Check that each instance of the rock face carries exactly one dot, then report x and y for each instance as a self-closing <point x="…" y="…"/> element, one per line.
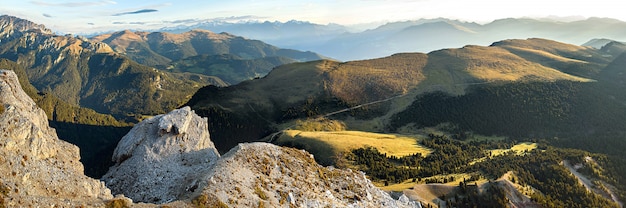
<point x="162" y="158"/>
<point x="262" y="174"/>
<point x="36" y="167"/>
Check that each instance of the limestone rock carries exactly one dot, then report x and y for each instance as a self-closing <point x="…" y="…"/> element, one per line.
<point x="162" y="157"/>
<point x="35" y="166"/>
<point x="262" y="173"/>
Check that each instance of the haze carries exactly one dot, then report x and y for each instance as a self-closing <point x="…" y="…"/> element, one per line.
<point x="107" y="15"/>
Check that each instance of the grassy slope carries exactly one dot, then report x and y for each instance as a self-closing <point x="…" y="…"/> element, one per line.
<point x="326" y="146"/>
<point x="308" y="89"/>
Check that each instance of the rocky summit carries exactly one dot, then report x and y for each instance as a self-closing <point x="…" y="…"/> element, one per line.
<point x="162" y="157"/>
<point x="36" y="168"/>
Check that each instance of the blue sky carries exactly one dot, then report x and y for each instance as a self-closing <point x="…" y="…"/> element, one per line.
<point x="86" y="16"/>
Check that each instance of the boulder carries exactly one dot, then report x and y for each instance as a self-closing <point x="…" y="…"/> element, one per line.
<point x="162" y="157"/>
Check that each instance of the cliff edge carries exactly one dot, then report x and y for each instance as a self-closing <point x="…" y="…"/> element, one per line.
<point x="36" y="167"/>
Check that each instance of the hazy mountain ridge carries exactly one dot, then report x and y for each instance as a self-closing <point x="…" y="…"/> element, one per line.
<point x="291" y="34"/>
<point x="424" y="35"/>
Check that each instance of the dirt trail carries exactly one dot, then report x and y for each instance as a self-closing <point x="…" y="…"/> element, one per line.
<point x="590" y="186"/>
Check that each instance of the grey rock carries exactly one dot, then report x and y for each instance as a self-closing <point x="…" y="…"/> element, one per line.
<point x="255" y="173"/>
<point x="35" y="164"/>
<point x="162" y="157"/>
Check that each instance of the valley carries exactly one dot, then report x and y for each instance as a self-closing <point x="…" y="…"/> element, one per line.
<point x="529" y="122"/>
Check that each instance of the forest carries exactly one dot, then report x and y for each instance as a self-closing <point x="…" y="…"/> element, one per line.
<point x="540" y="168"/>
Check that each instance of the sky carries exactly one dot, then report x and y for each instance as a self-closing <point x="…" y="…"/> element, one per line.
<point x="90" y="16"/>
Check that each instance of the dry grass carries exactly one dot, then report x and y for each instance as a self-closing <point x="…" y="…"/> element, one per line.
<point x="519" y="149"/>
<point x="359" y="82"/>
<point x="344" y="141"/>
<point x="429" y="193"/>
<point x="408" y="184"/>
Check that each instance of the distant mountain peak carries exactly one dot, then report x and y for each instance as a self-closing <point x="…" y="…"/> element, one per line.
<point x="10" y="25"/>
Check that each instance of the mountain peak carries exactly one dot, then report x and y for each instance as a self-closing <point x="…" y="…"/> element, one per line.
<point x="10" y="25"/>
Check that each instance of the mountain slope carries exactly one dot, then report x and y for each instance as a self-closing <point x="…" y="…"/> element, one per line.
<point x="250" y="110"/>
<point x="90" y="74"/>
<point x="168" y="50"/>
<point x="230" y="68"/>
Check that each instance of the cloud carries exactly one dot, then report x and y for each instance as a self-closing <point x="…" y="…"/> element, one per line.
<point x="91" y="23"/>
<point x="136" y="12"/>
<point x="74" y="4"/>
<point x="129" y="23"/>
<point x="47" y="15"/>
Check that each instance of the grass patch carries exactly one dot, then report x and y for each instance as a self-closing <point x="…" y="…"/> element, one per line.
<point x="117" y="203"/>
<point x="398" y="187"/>
<point x="260" y="193"/>
<point x="206" y="201"/>
<point x="519" y="149"/>
<point x="345" y="141"/>
<point x="320" y="125"/>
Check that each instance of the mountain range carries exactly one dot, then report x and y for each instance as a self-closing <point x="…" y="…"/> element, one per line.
<point x="424" y="35"/>
<point x="224" y="56"/>
<point x="461" y="106"/>
<point x="117" y="78"/>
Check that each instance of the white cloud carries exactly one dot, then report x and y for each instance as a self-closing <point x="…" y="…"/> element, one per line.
<point x="75" y="4"/>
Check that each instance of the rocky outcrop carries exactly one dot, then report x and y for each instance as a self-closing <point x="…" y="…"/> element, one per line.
<point x="165" y="159"/>
<point x="162" y="158"/>
<point x="266" y="175"/>
<point x="170" y="158"/>
<point x="37" y="168"/>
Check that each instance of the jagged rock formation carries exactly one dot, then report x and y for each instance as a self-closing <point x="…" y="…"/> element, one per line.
<point x="266" y="175"/>
<point x="162" y="157"/>
<point x="37" y="168"/>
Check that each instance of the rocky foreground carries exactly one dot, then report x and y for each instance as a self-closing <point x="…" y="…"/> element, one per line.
<point x="167" y="160"/>
<point x="36" y="167"/>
